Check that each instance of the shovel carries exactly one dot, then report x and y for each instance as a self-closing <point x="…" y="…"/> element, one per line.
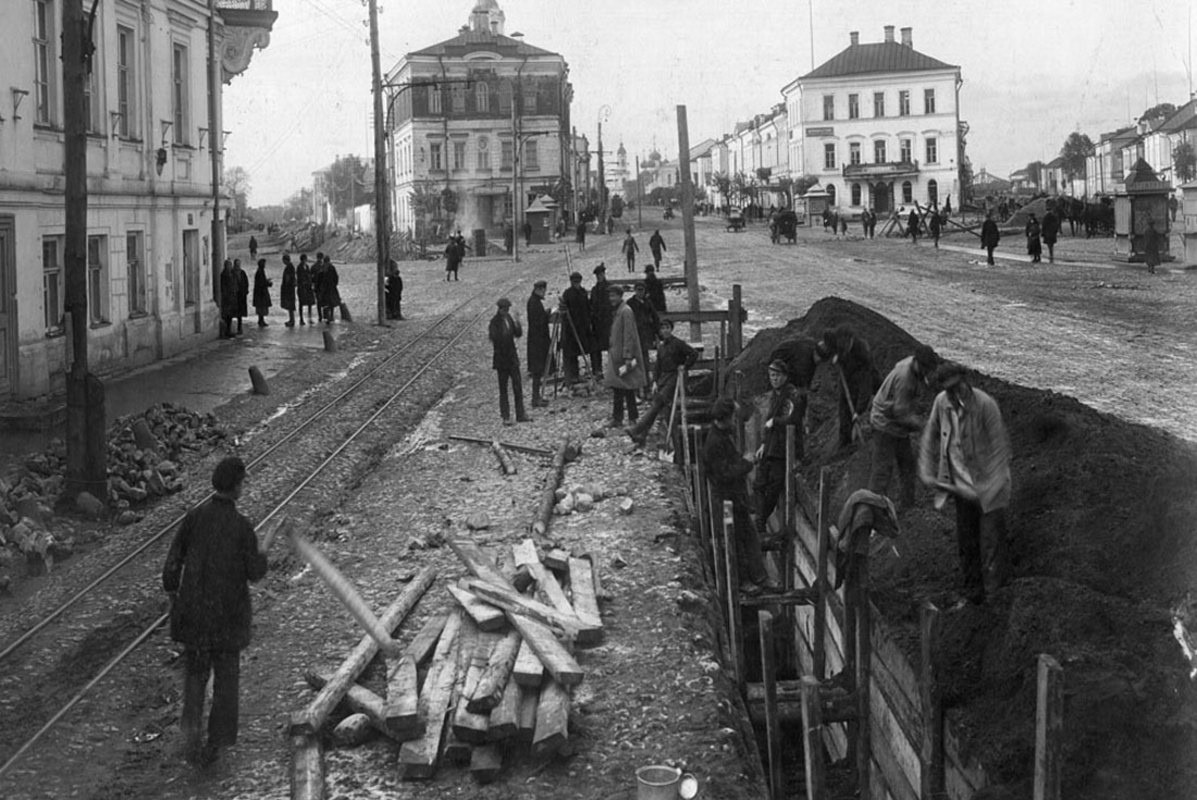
<point x="859" y="434"/>
<point x="667" y="454"/>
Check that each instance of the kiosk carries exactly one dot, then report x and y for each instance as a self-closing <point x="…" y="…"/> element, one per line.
<point x="1140" y="204"/>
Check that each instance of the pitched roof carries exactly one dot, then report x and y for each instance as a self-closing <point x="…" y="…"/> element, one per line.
<point x="469" y="41"/>
<point x="1183" y="118"/>
<point x="701" y="149"/>
<point x="863" y="59"/>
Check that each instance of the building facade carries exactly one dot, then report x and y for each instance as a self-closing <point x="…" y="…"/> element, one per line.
<point x="475" y="121"/>
<point x="150" y="256"/>
<point x="880" y="125"/>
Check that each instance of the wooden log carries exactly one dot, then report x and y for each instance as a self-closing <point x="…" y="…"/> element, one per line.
<point x="355" y="729"/>
<point x="931" y="699"/>
<point x="812" y="739"/>
<point x="486" y="616"/>
<point x="548" y="496"/>
<point x="344" y="590"/>
<point x="312" y="718"/>
<point x="486" y="762"/>
<point x="528" y="671"/>
<point x="552" y="719"/>
<point x="513" y="602"/>
<point x="360" y="700"/>
<point x="772" y="724"/>
<point x="424" y="642"/>
<point x="455" y="751"/>
<point x="505" y="719"/>
<point x="471" y="726"/>
<point x="557" y="559"/>
<point x="552" y="653"/>
<point x="520" y="448"/>
<point x="600" y="592"/>
<point x="529" y="701"/>
<point x="418" y="758"/>
<point x="307" y="765"/>
<point x="1049" y="729"/>
<point x="488" y="691"/>
<point x="258" y="381"/>
<point x="581" y="589"/>
<point x="403" y="696"/>
<point x="477" y="562"/>
<point x="505" y="462"/>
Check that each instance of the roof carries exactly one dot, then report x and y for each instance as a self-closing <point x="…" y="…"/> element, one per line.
<point x="1183" y="118"/>
<point x="701" y="149"/>
<point x="469" y="41"/>
<point x="865" y="59"/>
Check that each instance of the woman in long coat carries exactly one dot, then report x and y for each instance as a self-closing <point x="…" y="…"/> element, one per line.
<point x="262" y="286"/>
<point x="242" y="292"/>
<point x="303" y="287"/>
<point x="624" y="372"/>
<point x="228" y="299"/>
<point x="286" y="296"/>
<point x="330" y="298"/>
<point x="1034" y="245"/>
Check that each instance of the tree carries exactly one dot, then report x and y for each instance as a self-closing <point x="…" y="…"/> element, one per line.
<point x="1160" y="111"/>
<point x="1184" y="162"/>
<point x="723" y="184"/>
<point x="1077" y="147"/>
<point x="1033" y="173"/>
<point x="763" y="174"/>
<point x="236" y="184"/>
<point x="349" y="184"/>
<point x="802" y="184"/>
<point x="449" y="200"/>
<point x="298" y="205"/>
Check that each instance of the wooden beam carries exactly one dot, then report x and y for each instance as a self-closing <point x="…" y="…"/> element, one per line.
<point x="520" y="448"/>
<point x="471" y="726"/>
<point x="931" y="699"/>
<point x="556" y="558"/>
<point x="401" y="709"/>
<point x="486" y="762"/>
<point x="418" y="758"/>
<point x="505" y="462"/>
<point x="552" y="719"/>
<point x="812" y="739"/>
<point x="528" y="671"/>
<point x="777" y="779"/>
<point x="424" y="642"/>
<point x="360" y="700"/>
<point x="548" y="495"/>
<point x="733" y="592"/>
<point x="526" y="556"/>
<point x="477" y="562"/>
<point x="552" y="653"/>
<point x="581" y="589"/>
<point x="312" y="718"/>
<point x="600" y="592"/>
<point x="307" y="765"/>
<point x="1049" y="729"/>
<point x="488" y="691"/>
<point x="699" y="316"/>
<point x="505" y="719"/>
<point x="455" y="752"/>
<point x="515" y="603"/>
<point x="820" y="583"/>
<point x="486" y="616"/>
<point x="529" y="700"/>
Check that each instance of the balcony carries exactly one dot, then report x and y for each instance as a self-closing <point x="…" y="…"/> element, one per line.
<point x="247" y="27"/>
<point x="888" y="169"/>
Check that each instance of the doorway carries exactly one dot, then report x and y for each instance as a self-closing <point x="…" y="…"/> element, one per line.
<point x="191" y="278"/>
<point x="8" y="305"/>
<point x="881" y="198"/>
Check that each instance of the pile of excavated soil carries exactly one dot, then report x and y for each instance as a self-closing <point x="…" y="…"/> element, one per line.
<point x="1101" y="528"/>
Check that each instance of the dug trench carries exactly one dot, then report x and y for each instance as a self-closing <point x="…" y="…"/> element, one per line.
<point x="1102" y="546"/>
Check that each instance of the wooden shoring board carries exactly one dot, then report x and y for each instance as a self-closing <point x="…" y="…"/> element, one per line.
<point x="528" y="670"/>
<point x="488" y="690"/>
<point x="484" y="615"/>
<point x="514" y="603"/>
<point x="529" y="701"/>
<point x="552" y="719"/>
<point x="307" y="765"/>
<point x="471" y="726"/>
<point x="581" y="589"/>
<point x="505" y="719"/>
<point x="418" y="758"/>
<point x="553" y="654"/>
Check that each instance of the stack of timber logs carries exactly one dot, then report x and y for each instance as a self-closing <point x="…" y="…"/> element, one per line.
<point x="486" y="677"/>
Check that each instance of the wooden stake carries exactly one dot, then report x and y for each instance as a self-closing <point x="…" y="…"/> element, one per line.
<point x="307" y="766"/>
<point x="812" y="739"/>
<point x="505" y="461"/>
<point x="819" y="645"/>
<point x="312" y="718"/>
<point x="519" y="448"/>
<point x="931" y="699"/>
<point x="1049" y="729"/>
<point x="772" y="724"/>
<point x="733" y="592"/>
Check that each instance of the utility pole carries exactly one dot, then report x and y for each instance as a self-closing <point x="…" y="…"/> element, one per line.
<point x="602" y="180"/>
<point x="216" y="146"/>
<point x="515" y="171"/>
<point x="639" y="196"/>
<point x="382" y="192"/>
<point x="683" y="157"/>
<point x="87" y="469"/>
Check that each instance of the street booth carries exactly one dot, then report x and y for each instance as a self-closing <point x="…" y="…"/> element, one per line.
<point x="541" y="214"/>
<point x="1141" y="202"/>
<point x="1189" y="212"/>
<point x="816" y="200"/>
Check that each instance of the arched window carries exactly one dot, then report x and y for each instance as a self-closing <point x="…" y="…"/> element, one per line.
<point x="856" y="194"/>
<point x="482" y="97"/>
<point x="907" y="192"/>
<point x="932" y="192"/>
<point x="830" y="195"/>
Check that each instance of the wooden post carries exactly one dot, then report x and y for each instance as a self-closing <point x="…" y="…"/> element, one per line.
<point x="1049" y="729"/>
<point x="789" y="531"/>
<point x="930" y="696"/>
<point x="864" y="665"/>
<point x="307" y="767"/>
<point x="733" y="591"/>
<point x="812" y="738"/>
<point x="714" y="543"/>
<point x="685" y="431"/>
<point x="691" y="263"/>
<point x="697" y="484"/>
<point x="820" y="634"/>
<point x="548" y="496"/>
<point x="735" y="324"/>
<point x="382" y="195"/>
<point x="777" y="779"/>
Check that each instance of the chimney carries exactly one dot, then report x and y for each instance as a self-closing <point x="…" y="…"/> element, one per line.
<point x="907" y="38"/>
<point x="889" y="33"/>
<point x="854" y="37"/>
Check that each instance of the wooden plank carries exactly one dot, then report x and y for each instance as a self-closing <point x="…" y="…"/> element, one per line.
<point x="899" y="754"/>
<point x="581" y="589"/>
<point x="732" y="586"/>
<point x="557" y="559"/>
<point x="552" y="719"/>
<point x="548" y="584"/>
<point x="695" y="316"/>
<point x="552" y="653"/>
<point x="307" y="764"/>
<point x="418" y="758"/>
<point x="529" y="701"/>
<point x="931" y="701"/>
<point x="777" y="779"/>
<point x="477" y="562"/>
<point x="486" y="762"/>
<point x="471" y="726"/>
<point x="360" y="700"/>
<point x="962" y="779"/>
<point x="424" y="642"/>
<point x="312" y="718"/>
<point x="488" y="690"/>
<point x="812" y="726"/>
<point x="516" y="604"/>
<point x="820" y="578"/>
<point x="505" y="719"/>
<point x="486" y="616"/>
<point x="401" y="711"/>
<point x="455" y="752"/>
<point x="1049" y="729"/>
<point x="528" y="671"/>
<point x="600" y="591"/>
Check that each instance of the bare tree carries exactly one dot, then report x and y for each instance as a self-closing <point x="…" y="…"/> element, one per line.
<point x="237" y="185"/>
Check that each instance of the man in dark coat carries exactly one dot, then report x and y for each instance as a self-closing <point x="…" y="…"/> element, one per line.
<point x="576" y="329"/>
<point x="912" y="226"/>
<point x="317" y="280"/>
<point x="394" y="291"/>
<point x="580" y="234"/>
<point x="671" y="354"/>
<point x="654" y="289"/>
<point x="647" y="320"/>
<point x="934" y="226"/>
<point x="213" y="557"/>
<point x="262" y="286"/>
<point x="989" y="236"/>
<point x="656" y="243"/>
<point x="330" y="295"/>
<point x="228" y="299"/>
<point x="601" y="313"/>
<point x="895" y="419"/>
<point x="629" y="248"/>
<point x="726" y="471"/>
<point x="1050" y="230"/>
<point x="1034" y="244"/>
<point x="452" y="259"/>
<point x="286" y="295"/>
<point x="801" y="357"/>
<point x="242" y="293"/>
<point x="782" y="406"/>
<point x="539" y="340"/>
<point x="858" y="377"/>
<point x="527" y="233"/>
<point x="503" y="331"/>
<point x="253" y="247"/>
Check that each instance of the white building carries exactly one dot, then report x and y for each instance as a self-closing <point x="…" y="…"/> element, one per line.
<point x="150" y="250"/>
<point x="880" y="125"/>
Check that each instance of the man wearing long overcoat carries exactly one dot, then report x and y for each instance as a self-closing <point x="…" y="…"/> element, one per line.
<point x="989" y="237"/>
<point x="625" y="372"/>
<point x="503" y="331"/>
<point x="242" y="293"/>
<point x="539" y="340"/>
<point x="600" y="318"/>
<point x="228" y="299"/>
<point x="576" y="330"/>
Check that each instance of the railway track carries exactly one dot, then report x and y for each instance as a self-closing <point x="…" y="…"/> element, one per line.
<point x="50" y="668"/>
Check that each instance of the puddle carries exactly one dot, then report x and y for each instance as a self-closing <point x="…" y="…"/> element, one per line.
<point x="428" y="431"/>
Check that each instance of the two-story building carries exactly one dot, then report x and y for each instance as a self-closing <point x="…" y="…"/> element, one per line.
<point x="483" y="117"/>
<point x="152" y="247"/>
<point x="879" y="124"/>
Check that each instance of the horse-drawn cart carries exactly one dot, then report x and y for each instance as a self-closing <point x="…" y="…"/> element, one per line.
<point x="735" y="220"/>
<point x="785" y="223"/>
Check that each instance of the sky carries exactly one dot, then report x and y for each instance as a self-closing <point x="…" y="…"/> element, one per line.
<point x="1033" y="70"/>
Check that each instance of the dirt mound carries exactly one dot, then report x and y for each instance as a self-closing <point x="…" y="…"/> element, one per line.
<point x="1038" y="207"/>
<point x="1102" y="541"/>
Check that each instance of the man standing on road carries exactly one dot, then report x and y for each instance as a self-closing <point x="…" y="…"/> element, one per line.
<point x="672" y="353"/>
<point x="580" y="235"/>
<point x="629" y="249"/>
<point x="503" y="331"/>
<point x="656" y="243"/>
<point x="912" y="226"/>
<point x="894" y="420"/>
<point x="228" y="299"/>
<point x="647" y="321"/>
<point x="1034" y="246"/>
<point x="575" y="326"/>
<point x="625" y="372"/>
<point x="654" y="289"/>
<point x="857" y="376"/>
<point x="989" y="237"/>
<point x="726" y="470"/>
<point x="783" y="407"/>
<point x="601" y="312"/>
<point x="211" y="561"/>
<point x="539" y="340"/>
<point x="242" y="293"/>
<point x="1051" y="232"/>
<point x="934" y="227"/>
<point x="393" y="286"/>
<point x="965" y="453"/>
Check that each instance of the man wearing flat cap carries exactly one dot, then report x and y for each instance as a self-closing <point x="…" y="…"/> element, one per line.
<point x="895" y="419"/>
<point x="539" y="340"/>
<point x="504" y="330"/>
<point x="601" y="313"/>
<point x="576" y="330"/>
<point x="625" y="369"/>
<point x="782" y="407"/>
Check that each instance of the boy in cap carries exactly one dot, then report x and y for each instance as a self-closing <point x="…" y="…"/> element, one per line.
<point x="504" y="330"/>
<point x="726" y="470"/>
<point x="894" y="420"/>
<point x="671" y="354"/>
<point x="858" y="377"/>
<point x="783" y="407"/>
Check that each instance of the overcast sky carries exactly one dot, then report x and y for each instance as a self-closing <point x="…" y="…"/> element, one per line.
<point x="1034" y="70"/>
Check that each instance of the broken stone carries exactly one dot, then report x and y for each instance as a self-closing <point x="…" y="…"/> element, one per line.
<point x="128" y="517"/>
<point x="583" y="502"/>
<point x="478" y="521"/>
<point x="618" y="562"/>
<point x="89" y="505"/>
<point x="142" y="435"/>
<point x="626" y="505"/>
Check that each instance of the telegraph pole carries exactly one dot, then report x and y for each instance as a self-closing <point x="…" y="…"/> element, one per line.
<point x="515" y="180"/>
<point x="216" y="146"/>
<point x="602" y="180"/>
<point x="683" y="157"/>
<point x="382" y="214"/>
<point x="639" y="196"/>
<point x="87" y="469"/>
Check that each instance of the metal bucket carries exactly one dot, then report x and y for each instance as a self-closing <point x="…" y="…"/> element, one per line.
<point x="659" y="782"/>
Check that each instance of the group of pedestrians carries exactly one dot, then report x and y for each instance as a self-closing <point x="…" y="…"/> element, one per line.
<point x="304" y="287"/>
